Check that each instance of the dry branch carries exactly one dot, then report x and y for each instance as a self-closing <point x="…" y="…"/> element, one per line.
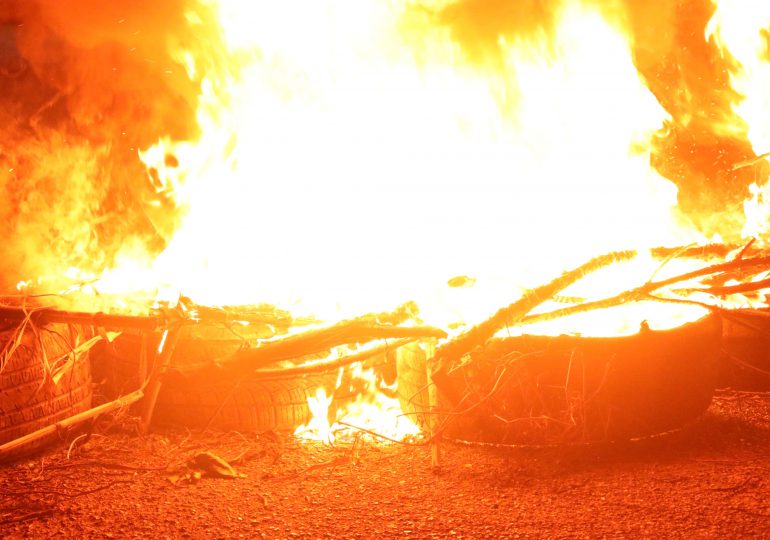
<point x="749" y="286"/>
<point x="644" y="292"/>
<point x="750" y="162"/>
<point x="696" y="251"/>
<point x="46" y="315"/>
<point x="323" y="339"/>
<point x="513" y="313"/>
<point x="449" y="354"/>
<point x="325" y="366"/>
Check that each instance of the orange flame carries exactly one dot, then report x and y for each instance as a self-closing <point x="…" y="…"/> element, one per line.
<point x="369" y="411"/>
<point x="363" y="153"/>
<point x="359" y="162"/>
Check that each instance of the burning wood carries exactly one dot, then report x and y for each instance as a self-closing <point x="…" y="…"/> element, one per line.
<point x="252" y="359"/>
<point x="451" y="352"/>
<point x="472" y="371"/>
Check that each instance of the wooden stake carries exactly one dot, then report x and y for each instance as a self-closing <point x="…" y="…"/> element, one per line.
<point x="433" y="406"/>
<point x="162" y="361"/>
<point x="143" y="367"/>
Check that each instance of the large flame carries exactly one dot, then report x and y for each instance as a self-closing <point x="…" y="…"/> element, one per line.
<point x="351" y="155"/>
<point x="741" y="30"/>
<point x="360" y="159"/>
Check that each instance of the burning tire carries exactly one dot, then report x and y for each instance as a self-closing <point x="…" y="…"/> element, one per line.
<point x="219" y="399"/>
<point x="247" y="403"/>
<point x="40" y="383"/>
<point x="555" y="390"/>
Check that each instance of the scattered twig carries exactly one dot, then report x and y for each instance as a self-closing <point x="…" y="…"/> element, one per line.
<point x="105" y="465"/>
<point x="426" y="442"/>
<point x="74" y="441"/>
<point x="28" y="516"/>
<point x="335" y="462"/>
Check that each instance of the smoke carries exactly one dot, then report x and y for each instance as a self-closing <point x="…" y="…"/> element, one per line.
<point x="86" y="85"/>
<point x="697" y="148"/>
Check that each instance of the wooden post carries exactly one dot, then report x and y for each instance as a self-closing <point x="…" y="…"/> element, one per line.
<point x="162" y="361"/>
<point x="434" y="421"/>
<point x="143" y="367"/>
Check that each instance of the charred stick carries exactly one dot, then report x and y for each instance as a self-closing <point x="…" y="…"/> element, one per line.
<point x="263" y="315"/>
<point x="750" y="162"/>
<point x="324" y="366"/>
<point x="695" y="252"/>
<point x="745" y="249"/>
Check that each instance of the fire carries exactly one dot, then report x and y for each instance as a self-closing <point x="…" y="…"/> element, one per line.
<point x="741" y="32"/>
<point x="369" y="411"/>
<point x="349" y="155"/>
<point x="359" y="161"/>
<point x="318" y="428"/>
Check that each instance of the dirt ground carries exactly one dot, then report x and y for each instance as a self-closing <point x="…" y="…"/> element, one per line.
<point x="708" y="480"/>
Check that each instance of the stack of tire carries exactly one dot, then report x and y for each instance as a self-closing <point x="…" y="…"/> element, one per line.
<point x="30" y="398"/>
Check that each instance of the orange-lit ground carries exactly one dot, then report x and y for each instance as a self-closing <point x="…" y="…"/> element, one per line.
<point x="708" y="481"/>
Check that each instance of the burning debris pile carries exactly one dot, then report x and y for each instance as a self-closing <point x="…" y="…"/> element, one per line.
<point x="217" y="367"/>
<point x="261" y="369"/>
<point x="355" y="158"/>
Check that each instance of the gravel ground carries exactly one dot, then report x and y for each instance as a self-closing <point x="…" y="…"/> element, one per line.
<point x="709" y="480"/>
